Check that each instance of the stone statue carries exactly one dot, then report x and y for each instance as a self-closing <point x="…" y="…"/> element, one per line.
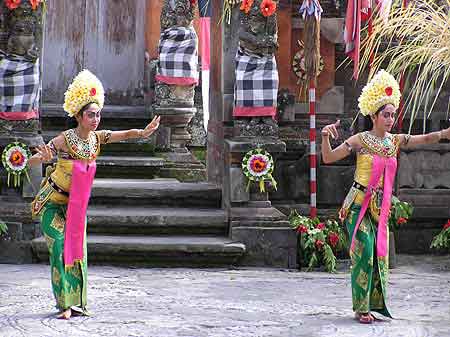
<point x="258" y="37"/>
<point x="21" y="31"/>
<point x="258" y="34"/>
<point x="177" y="15"/>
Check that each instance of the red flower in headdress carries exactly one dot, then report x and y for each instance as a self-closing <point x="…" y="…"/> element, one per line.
<point x="12" y="4"/>
<point x="388" y="91"/>
<point x="92" y="92"/>
<point x="268" y="7"/>
<point x="246" y="5"/>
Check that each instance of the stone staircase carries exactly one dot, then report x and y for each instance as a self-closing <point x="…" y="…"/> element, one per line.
<point x="137" y="217"/>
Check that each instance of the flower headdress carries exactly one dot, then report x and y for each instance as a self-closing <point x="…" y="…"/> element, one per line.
<point x="86" y="88"/>
<point x="382" y="89"/>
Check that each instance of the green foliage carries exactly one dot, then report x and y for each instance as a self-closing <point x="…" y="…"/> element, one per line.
<point x="3" y="228"/>
<point x="319" y="241"/>
<point x="442" y="240"/>
<point x="400" y="213"/>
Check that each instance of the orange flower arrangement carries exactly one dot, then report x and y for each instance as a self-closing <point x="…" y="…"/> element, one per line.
<point x="35" y="3"/>
<point x="246" y="5"/>
<point x="268" y="7"/>
<point x="13" y="4"/>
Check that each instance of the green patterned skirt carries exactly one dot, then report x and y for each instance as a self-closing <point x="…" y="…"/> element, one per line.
<point x="369" y="273"/>
<point x="69" y="283"/>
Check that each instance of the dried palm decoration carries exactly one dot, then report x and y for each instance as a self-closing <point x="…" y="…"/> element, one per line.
<point x="227" y="9"/>
<point x="414" y="41"/>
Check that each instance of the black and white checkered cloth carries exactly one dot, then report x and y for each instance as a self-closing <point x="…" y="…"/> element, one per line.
<point x="178" y="53"/>
<point x="19" y="85"/>
<point x="256" y="81"/>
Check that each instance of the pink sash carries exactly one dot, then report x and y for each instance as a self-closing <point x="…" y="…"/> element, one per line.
<point x="380" y="165"/>
<point x="80" y="191"/>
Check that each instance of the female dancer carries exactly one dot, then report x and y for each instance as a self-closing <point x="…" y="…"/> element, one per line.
<point x="365" y="210"/>
<point x="62" y="200"/>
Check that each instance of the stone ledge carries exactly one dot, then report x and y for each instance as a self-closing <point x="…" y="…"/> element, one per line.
<point x="268" y="246"/>
<point x="166" y="251"/>
<point x="242" y="145"/>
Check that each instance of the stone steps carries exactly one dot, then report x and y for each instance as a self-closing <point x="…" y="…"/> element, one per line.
<point x="135" y="147"/>
<point x="165" y="192"/>
<point x="156" y="251"/>
<point x="127" y="166"/>
<point x="156" y="221"/>
<point x="153" y="219"/>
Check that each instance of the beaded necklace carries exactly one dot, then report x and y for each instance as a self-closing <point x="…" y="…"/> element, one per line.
<point x="81" y="148"/>
<point x="385" y="147"/>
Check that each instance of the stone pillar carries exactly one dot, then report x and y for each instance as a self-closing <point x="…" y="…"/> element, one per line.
<point x="263" y="229"/>
<point x="20" y="49"/>
<point x="174" y="88"/>
<point x="253" y="220"/>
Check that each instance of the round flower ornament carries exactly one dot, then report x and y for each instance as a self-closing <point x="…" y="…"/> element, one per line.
<point x="257" y="166"/>
<point x="15" y="157"/>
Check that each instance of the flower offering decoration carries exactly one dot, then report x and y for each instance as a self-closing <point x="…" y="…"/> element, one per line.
<point x="15" y="157"/>
<point x="257" y="166"/>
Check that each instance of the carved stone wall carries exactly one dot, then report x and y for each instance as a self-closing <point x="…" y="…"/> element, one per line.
<point x="424" y="181"/>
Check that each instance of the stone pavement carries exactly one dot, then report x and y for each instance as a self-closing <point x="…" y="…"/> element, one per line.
<point x="226" y="302"/>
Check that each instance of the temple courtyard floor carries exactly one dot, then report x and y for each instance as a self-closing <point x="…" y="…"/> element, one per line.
<point x="237" y="302"/>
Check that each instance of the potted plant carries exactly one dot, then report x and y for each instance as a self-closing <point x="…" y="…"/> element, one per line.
<point x="400" y="213"/>
<point x="442" y="240"/>
<point x="319" y="242"/>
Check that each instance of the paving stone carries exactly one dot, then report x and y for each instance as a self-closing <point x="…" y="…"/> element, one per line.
<point x="226" y="302"/>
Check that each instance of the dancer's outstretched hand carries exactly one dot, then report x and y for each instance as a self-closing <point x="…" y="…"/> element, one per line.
<point x="446" y="133"/>
<point x="331" y="130"/>
<point x="44" y="153"/>
<point x="152" y="127"/>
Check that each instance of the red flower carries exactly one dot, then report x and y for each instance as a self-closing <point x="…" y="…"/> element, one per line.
<point x="13" y="4"/>
<point x="268" y="7"/>
<point x="333" y="238"/>
<point x="447" y="225"/>
<point x="319" y="244"/>
<point x="401" y="221"/>
<point x="320" y="226"/>
<point x="246" y="5"/>
<point x="258" y="164"/>
<point x="35" y="3"/>
<point x="16" y="158"/>
<point x="92" y="92"/>
<point x="388" y="91"/>
<point x="302" y="229"/>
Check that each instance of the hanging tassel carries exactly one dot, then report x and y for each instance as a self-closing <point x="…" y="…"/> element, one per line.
<point x="248" y="185"/>
<point x="312" y="46"/>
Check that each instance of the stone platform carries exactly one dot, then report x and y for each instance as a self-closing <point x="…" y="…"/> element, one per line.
<point x="226" y="302"/>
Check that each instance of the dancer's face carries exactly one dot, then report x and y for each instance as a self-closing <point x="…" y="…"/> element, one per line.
<point x="91" y="117"/>
<point x="385" y="118"/>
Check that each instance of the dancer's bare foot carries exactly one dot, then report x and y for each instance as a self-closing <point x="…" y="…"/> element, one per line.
<point x="66" y="314"/>
<point x="364" y="318"/>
